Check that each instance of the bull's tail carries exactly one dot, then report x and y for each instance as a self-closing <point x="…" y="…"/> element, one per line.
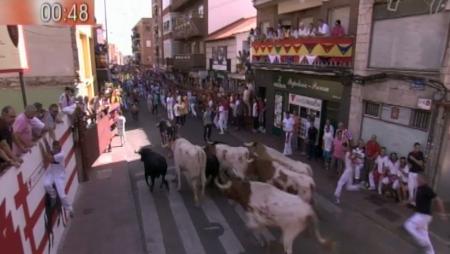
<point x="202" y="160"/>
<point x="314" y="222"/>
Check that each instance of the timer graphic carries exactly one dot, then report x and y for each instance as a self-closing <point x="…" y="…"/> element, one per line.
<point x="55" y="13"/>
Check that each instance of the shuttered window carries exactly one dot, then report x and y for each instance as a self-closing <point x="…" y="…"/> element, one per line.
<point x="372" y="109"/>
<point x="420" y="119"/>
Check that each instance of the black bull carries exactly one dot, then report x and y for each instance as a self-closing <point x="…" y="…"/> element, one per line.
<point x="155" y="165"/>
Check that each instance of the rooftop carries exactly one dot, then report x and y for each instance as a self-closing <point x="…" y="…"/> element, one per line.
<point x="229" y="31"/>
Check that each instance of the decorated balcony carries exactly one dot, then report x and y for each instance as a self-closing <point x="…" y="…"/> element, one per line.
<point x="319" y="52"/>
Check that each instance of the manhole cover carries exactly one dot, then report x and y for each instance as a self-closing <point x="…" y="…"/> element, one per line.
<point x="387" y="214"/>
<point x="87" y="211"/>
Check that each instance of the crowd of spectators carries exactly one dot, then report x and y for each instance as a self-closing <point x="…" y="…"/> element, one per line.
<point x="320" y="29"/>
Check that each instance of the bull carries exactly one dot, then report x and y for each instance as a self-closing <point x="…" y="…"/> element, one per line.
<point x="167" y="132"/>
<point x="267" y="206"/>
<point x="230" y="158"/>
<point x="190" y="159"/>
<point x="276" y="174"/>
<point x="271" y="153"/>
<point x="155" y="165"/>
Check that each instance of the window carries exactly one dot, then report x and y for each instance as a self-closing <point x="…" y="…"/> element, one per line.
<point x="372" y="109"/>
<point x="420" y="119"/>
<point x="166" y="26"/>
<point x="343" y="14"/>
<point x="200" y="11"/>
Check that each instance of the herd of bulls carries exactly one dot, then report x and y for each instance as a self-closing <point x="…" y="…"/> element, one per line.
<point x="274" y="190"/>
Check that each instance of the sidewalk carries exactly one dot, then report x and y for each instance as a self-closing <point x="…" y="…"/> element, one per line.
<point x="385" y="212"/>
<point x="104" y="222"/>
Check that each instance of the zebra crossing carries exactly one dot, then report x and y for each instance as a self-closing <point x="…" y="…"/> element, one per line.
<point x="171" y="223"/>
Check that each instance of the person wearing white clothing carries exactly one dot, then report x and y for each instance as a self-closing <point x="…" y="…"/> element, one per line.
<point x="347" y="176"/>
<point x="417" y="224"/>
<point x="170" y="103"/>
<point x="288" y="127"/>
<point x="55" y="175"/>
<point x="323" y="28"/>
<point x="121" y="120"/>
<point x="379" y="170"/>
<point x="403" y="171"/>
<point x="255" y="117"/>
<point x="221" y="119"/>
<point x="360" y="154"/>
<point x="390" y="177"/>
<point x="327" y="145"/>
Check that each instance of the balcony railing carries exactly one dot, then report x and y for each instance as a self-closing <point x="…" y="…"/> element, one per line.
<point x="309" y="51"/>
<point x="186" y="28"/>
<point x="187" y="62"/>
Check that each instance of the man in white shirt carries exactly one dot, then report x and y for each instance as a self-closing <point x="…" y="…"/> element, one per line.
<point x="381" y="164"/>
<point x="255" y="116"/>
<point x="360" y="154"/>
<point x="303" y="31"/>
<point x="55" y="175"/>
<point x="288" y="127"/>
<point x="323" y="28"/>
<point x="391" y="175"/>
<point x="221" y="119"/>
<point x="347" y="176"/>
<point x="121" y="120"/>
<point x="328" y="137"/>
<point x="170" y="104"/>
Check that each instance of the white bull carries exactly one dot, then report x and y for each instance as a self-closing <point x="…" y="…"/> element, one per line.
<point x="276" y="174"/>
<point x="269" y="152"/>
<point x="190" y="159"/>
<point x="265" y="205"/>
<point x="230" y="158"/>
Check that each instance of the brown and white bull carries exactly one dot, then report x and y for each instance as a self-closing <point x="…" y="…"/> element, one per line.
<point x="267" y="206"/>
<point x="191" y="159"/>
<point x="230" y="158"/>
<point x="268" y="152"/>
<point x="276" y="174"/>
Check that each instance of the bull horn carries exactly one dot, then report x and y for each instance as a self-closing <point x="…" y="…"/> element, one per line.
<point x="222" y="186"/>
<point x="248" y="144"/>
<point x="210" y="143"/>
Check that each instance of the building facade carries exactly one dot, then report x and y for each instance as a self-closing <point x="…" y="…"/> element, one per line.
<point x="142" y="42"/>
<point x="57" y="57"/>
<point x="402" y="80"/>
<point x="309" y="77"/>
<point x="158" y="51"/>
<point x="227" y="53"/>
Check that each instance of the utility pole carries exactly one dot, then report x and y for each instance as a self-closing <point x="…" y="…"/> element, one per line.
<point x="107" y="42"/>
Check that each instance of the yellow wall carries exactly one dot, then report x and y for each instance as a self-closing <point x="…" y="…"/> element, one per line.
<point x="86" y="57"/>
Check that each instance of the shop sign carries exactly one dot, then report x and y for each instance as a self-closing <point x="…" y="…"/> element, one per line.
<point x="317" y="88"/>
<point x="424" y="104"/>
<point x="306" y="102"/>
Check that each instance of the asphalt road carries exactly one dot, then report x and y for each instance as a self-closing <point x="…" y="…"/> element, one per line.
<point x="170" y="223"/>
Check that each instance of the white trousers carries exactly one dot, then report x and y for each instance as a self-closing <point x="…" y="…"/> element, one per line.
<point x="358" y="171"/>
<point x="193" y="109"/>
<point x="226" y="120"/>
<point x="170" y="114"/>
<point x="347" y="180"/>
<point x="412" y="187"/>
<point x="221" y="123"/>
<point x="288" y="144"/>
<point x="417" y="226"/>
<point x="59" y="181"/>
<point x="372" y="182"/>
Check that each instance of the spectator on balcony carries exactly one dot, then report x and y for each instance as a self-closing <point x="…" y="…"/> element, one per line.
<point x="7" y="138"/>
<point x="303" y="31"/>
<point x="22" y="128"/>
<point x="337" y="30"/>
<point x="311" y="30"/>
<point x="323" y="28"/>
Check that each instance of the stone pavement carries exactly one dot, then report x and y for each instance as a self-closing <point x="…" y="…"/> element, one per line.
<point x="385" y="212"/>
<point x="116" y="213"/>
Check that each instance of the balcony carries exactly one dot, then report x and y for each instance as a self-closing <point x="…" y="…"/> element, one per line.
<point x="177" y="4"/>
<point x="186" y="28"/>
<point x="310" y="52"/>
<point x="258" y="3"/>
<point x="187" y="62"/>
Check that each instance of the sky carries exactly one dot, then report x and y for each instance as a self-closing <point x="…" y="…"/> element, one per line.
<point x="122" y="16"/>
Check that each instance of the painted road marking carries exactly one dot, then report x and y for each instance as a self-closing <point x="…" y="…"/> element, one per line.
<point x="150" y="220"/>
<point x="228" y="239"/>
<point x="190" y="239"/>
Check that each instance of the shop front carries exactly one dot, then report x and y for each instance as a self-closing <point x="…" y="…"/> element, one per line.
<point x="310" y="97"/>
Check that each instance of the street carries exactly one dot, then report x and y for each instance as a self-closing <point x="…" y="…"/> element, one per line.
<point x="169" y="222"/>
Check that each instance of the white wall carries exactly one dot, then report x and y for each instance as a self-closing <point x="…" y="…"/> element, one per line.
<point x="224" y="12"/>
<point x="49" y="51"/>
